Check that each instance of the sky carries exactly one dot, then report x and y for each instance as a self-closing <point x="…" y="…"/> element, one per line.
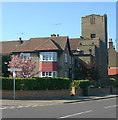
<point x="39" y="19"/>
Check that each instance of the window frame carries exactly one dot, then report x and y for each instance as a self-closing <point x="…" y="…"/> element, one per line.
<point x="47" y="73"/>
<point x="48" y="56"/>
<point x="66" y="59"/>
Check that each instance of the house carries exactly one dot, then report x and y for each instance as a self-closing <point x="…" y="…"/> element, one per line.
<point x="58" y="56"/>
<point x="113" y="57"/>
<point x="52" y="54"/>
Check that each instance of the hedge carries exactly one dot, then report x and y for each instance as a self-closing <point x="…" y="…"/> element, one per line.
<point x="80" y="83"/>
<point x="35" y="83"/>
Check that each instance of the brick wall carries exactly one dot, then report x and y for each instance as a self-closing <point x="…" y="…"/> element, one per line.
<point x="37" y="94"/>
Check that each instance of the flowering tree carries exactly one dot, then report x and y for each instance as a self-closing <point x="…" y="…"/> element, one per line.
<point x="25" y="64"/>
<point x="92" y="72"/>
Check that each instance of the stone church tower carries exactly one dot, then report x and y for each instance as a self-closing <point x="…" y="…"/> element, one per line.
<point x="94" y="32"/>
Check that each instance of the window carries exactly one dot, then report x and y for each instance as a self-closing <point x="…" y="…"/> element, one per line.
<point x="65" y="58"/>
<point x="48" y="74"/>
<point x="93" y="35"/>
<point x="92" y="20"/>
<point x="48" y="56"/>
<point x="65" y="74"/>
<point x="72" y="76"/>
<point x="25" y="55"/>
<point x="70" y="59"/>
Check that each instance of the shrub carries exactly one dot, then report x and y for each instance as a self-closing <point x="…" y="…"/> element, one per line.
<point x="80" y="83"/>
<point x="36" y="83"/>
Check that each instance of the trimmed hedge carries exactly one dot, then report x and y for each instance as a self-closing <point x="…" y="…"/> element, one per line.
<point x="35" y="83"/>
<point x="80" y="83"/>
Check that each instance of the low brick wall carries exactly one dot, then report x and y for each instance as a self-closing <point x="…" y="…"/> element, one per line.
<point x="101" y="91"/>
<point x="79" y="92"/>
<point x="39" y="94"/>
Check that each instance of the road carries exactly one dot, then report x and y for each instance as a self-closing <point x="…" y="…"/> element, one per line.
<point x="103" y="108"/>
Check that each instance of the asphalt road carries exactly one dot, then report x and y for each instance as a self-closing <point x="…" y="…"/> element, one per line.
<point x="104" y="108"/>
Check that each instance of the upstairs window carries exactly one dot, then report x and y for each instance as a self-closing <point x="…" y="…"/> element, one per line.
<point x="48" y="56"/>
<point x="93" y="35"/>
<point x="65" y="58"/>
<point x="26" y="55"/>
<point x="70" y="59"/>
<point x="92" y="20"/>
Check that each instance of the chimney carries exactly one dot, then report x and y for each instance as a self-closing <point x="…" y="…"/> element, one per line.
<point x="110" y="43"/>
<point x="53" y="35"/>
<point x="20" y="40"/>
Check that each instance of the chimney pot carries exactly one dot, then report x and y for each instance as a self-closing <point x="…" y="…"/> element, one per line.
<point x="20" y="39"/>
<point x="53" y="35"/>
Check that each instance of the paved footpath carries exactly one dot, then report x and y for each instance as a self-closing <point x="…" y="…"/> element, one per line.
<point x="72" y="107"/>
<point x="10" y="104"/>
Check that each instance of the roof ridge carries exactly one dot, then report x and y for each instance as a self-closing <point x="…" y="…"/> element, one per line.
<point x="44" y="43"/>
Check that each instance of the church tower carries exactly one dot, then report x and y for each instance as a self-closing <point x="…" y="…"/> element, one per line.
<point x="94" y="27"/>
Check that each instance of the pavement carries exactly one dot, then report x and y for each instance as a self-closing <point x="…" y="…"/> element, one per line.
<point x="70" y="99"/>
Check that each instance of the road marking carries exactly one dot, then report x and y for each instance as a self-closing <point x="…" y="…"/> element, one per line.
<point x="3" y="108"/>
<point x="75" y="114"/>
<point x="34" y="105"/>
<point x="27" y="106"/>
<point x="12" y="107"/>
<point x="19" y="106"/>
<point x="111" y="106"/>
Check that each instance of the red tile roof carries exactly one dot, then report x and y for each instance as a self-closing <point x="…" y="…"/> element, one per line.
<point x="46" y="43"/>
<point x="74" y="43"/>
<point x="112" y="71"/>
<point x="9" y="46"/>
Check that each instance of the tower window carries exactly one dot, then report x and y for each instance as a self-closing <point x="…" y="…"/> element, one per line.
<point x="93" y="35"/>
<point x="92" y="20"/>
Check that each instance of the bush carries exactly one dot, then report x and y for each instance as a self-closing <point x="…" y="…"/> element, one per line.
<point x="5" y="58"/>
<point x="80" y="83"/>
<point x="36" y="83"/>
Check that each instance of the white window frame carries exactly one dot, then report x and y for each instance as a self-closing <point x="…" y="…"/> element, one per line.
<point x="25" y="55"/>
<point x="46" y="73"/>
<point x="48" y="56"/>
<point x="65" y="57"/>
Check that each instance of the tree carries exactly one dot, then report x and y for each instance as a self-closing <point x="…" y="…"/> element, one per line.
<point x="5" y="59"/>
<point x="25" y="64"/>
<point x="92" y="72"/>
<point x="88" y="71"/>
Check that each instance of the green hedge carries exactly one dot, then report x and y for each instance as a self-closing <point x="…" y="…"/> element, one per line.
<point x="80" y="83"/>
<point x="36" y="83"/>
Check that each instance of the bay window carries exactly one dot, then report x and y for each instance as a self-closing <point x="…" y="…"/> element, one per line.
<point x="48" y="56"/>
<point x="48" y="74"/>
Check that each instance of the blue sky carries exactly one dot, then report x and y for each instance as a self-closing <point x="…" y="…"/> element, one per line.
<point x="38" y="19"/>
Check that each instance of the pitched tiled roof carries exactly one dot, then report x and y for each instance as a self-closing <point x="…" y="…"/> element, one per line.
<point x="74" y="43"/>
<point x="112" y="71"/>
<point x="44" y="43"/>
<point x="9" y="46"/>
